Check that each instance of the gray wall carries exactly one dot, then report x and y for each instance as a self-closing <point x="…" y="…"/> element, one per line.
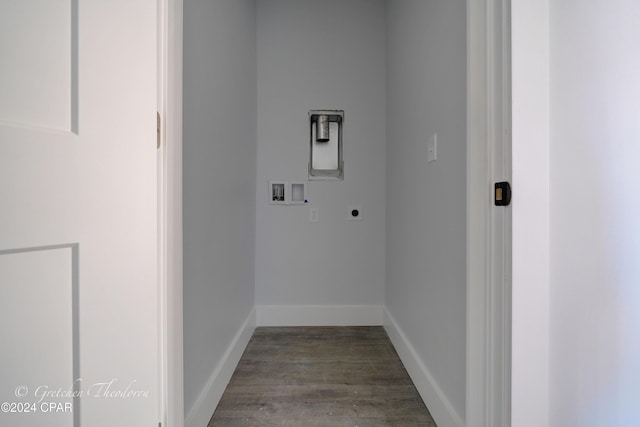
<point x="319" y="55"/>
<point x="219" y="181"/>
<point x="398" y="86"/>
<point x="595" y="212"/>
<point x="426" y="202"/>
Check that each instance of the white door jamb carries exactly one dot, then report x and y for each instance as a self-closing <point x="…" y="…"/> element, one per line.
<point x="170" y="211"/>
<point x="488" y="302"/>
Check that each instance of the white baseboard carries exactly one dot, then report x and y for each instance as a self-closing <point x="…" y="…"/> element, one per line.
<point x="210" y="395"/>
<point x="319" y="315"/>
<point x="439" y="406"/>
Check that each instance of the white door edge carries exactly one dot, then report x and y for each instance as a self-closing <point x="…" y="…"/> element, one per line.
<point x="170" y="211"/>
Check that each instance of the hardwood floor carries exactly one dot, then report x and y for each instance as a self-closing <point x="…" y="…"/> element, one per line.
<point x="320" y="376"/>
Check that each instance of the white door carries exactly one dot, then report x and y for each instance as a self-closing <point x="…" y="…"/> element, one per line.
<point x="78" y="228"/>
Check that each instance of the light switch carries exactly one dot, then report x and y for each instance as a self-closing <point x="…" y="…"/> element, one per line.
<point x="432" y="148"/>
<point x="313" y="214"/>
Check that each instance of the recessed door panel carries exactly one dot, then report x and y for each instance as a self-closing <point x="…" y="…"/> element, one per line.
<point x="39" y="63"/>
<point x="37" y="314"/>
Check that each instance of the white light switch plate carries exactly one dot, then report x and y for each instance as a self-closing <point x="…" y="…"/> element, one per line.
<point x="432" y="148"/>
<point x="313" y="214"/>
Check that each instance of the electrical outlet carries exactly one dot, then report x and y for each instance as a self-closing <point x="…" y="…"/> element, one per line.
<point x="354" y="213"/>
<point x="432" y="148"/>
<point x="313" y="214"/>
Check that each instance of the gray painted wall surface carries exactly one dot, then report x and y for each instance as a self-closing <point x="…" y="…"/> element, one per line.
<point x="321" y="55"/>
<point x="595" y="211"/>
<point x="219" y="181"/>
<point x="426" y="202"/>
<point x="398" y="86"/>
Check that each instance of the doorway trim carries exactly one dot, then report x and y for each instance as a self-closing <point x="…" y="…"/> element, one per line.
<point x="170" y="26"/>
<point x="488" y="291"/>
<point x="480" y="401"/>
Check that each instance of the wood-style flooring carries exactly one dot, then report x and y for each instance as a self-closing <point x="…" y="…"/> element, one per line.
<point x="320" y="376"/>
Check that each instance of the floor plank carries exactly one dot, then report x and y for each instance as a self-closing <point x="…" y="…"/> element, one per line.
<point x="320" y="376"/>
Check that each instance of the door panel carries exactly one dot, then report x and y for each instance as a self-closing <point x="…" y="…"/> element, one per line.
<point x="78" y="227"/>
<point x="37" y="69"/>
<point x="38" y="341"/>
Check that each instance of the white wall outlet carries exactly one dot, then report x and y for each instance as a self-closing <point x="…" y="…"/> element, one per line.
<point x="354" y="213"/>
<point x="313" y="214"/>
<point x="432" y="148"/>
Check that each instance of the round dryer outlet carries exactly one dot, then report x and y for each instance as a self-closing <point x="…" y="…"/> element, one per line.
<point x="354" y="213"/>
